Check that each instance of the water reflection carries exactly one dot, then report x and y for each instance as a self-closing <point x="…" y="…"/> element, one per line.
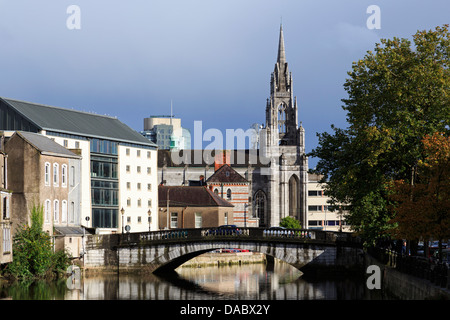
<point x="246" y="282"/>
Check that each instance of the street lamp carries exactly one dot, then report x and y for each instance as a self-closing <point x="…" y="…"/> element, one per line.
<point x="149" y="212"/>
<point x="122" y="211"/>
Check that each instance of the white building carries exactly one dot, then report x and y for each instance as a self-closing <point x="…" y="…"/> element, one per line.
<point x="115" y="160"/>
<point x="320" y="214"/>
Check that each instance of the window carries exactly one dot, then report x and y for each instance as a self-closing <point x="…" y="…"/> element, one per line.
<point x="5" y="208"/>
<point x="139" y="220"/>
<point x="66" y="143"/>
<point x="72" y="176"/>
<point x="149" y="170"/>
<point x="138" y="153"/>
<point x="314" y="208"/>
<point x="47" y="211"/>
<point x="138" y="169"/>
<point x="64" y="211"/>
<point x="128" y="185"/>
<point x="77" y="144"/>
<point x="139" y="202"/>
<point x="139" y="186"/>
<point x="72" y="212"/>
<point x="6" y="240"/>
<point x="148" y="154"/>
<point x="47" y="174"/>
<point x="149" y="203"/>
<point x="128" y="151"/>
<point x="128" y="169"/>
<point x="216" y="191"/>
<point x="198" y="220"/>
<point x="64" y="175"/>
<point x="229" y="194"/>
<point x="55" y="174"/>
<point x="128" y="202"/>
<point x="315" y="193"/>
<point x="56" y="211"/>
<point x="174" y="220"/>
<point x="225" y="218"/>
<point x="149" y="187"/>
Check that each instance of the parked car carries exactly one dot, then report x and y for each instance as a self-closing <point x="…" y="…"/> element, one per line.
<point x="228" y="229"/>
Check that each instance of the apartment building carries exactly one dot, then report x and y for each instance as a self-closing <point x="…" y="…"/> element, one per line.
<point x="111" y="155"/>
<point x="320" y="214"/>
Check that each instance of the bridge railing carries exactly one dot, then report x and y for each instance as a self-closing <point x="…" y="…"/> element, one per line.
<point x="249" y="233"/>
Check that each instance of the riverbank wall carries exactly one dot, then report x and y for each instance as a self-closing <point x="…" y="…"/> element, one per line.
<point x="404" y="286"/>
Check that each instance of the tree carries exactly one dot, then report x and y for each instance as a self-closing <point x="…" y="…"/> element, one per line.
<point x="290" y="223"/>
<point x="422" y="208"/>
<point x="33" y="255"/>
<point x="396" y="95"/>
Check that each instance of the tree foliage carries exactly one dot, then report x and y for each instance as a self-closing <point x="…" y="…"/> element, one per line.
<point x="397" y="95"/>
<point x="290" y="223"/>
<point x="33" y="255"/>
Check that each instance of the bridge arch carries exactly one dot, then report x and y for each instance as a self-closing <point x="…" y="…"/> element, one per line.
<point x="164" y="251"/>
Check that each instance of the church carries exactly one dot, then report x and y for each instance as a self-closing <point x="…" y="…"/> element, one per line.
<point x="273" y="178"/>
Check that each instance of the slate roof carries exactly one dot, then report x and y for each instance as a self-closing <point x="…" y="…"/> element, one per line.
<point x="46" y="145"/>
<point x="226" y="174"/>
<point x="76" y="122"/>
<point x="239" y="158"/>
<point x="190" y="196"/>
<point x="71" y="231"/>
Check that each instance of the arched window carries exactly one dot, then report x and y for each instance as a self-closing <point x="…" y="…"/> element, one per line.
<point x="47" y="210"/>
<point x="260" y="207"/>
<point x="229" y="194"/>
<point x="64" y="211"/>
<point x="56" y="211"/>
<point x="216" y="191"/>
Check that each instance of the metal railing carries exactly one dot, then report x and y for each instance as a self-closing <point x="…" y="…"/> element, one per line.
<point x="286" y="235"/>
<point x="436" y="272"/>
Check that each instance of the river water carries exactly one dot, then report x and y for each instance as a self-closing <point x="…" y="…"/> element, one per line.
<point x="245" y="282"/>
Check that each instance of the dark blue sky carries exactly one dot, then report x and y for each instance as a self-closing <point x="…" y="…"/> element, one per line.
<point x="212" y="59"/>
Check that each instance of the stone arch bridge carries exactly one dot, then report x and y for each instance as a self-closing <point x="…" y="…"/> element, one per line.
<point x="163" y="251"/>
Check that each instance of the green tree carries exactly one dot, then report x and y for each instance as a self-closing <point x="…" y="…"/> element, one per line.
<point x="290" y="223"/>
<point x="33" y="255"/>
<point x="396" y="95"/>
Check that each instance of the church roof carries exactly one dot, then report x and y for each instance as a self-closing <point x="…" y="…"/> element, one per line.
<point x="196" y="158"/>
<point x="226" y="174"/>
<point x="180" y="196"/>
<point x="76" y="122"/>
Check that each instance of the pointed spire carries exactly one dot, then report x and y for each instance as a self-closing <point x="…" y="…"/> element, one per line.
<point x="281" y="59"/>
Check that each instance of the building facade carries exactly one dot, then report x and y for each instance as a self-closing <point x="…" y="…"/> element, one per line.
<point x="5" y="211"/>
<point x="166" y="132"/>
<point x="102" y="142"/>
<point x="276" y="172"/>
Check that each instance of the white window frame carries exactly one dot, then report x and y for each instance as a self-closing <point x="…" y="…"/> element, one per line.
<point x="56" y="211"/>
<point x="64" y="176"/>
<point x="56" y="174"/>
<point x="47" y="173"/>
<point x="47" y="211"/>
<point x="64" y="211"/>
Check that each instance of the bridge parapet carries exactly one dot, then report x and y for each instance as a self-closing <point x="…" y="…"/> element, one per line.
<point x="254" y="234"/>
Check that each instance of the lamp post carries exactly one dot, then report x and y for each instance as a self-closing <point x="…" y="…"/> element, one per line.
<point x="122" y="211"/>
<point x="149" y="212"/>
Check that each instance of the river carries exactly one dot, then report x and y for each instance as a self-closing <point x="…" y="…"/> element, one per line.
<point x="245" y="282"/>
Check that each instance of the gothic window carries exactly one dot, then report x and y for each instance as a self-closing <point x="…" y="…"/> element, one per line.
<point x="260" y="207"/>
<point x="281" y="118"/>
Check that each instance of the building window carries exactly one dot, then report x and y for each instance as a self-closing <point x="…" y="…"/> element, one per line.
<point x="138" y="153"/>
<point x="216" y="191"/>
<point x="314" y="208"/>
<point x="72" y="176"/>
<point x="139" y="220"/>
<point x="47" y="211"/>
<point x="55" y="174"/>
<point x="72" y="212"/>
<point x="47" y="174"/>
<point x="198" y="220"/>
<point x="260" y="207"/>
<point x="149" y="203"/>
<point x="64" y="211"/>
<point x="128" y="185"/>
<point x="149" y="187"/>
<point x="5" y="208"/>
<point x="229" y="194"/>
<point x="64" y="175"/>
<point x="77" y="144"/>
<point x="56" y="211"/>
<point x="138" y="169"/>
<point x="128" y="169"/>
<point x="139" y="186"/>
<point x="148" y="155"/>
<point x="173" y="220"/>
<point x="315" y="193"/>
<point x="6" y="240"/>
<point x="139" y="202"/>
<point x="128" y="151"/>
<point x="128" y="202"/>
<point x="225" y="218"/>
<point x="149" y="170"/>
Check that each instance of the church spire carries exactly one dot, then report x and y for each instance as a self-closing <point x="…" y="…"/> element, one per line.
<point x="281" y="59"/>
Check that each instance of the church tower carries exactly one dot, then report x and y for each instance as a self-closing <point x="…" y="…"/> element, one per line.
<point x="285" y="145"/>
